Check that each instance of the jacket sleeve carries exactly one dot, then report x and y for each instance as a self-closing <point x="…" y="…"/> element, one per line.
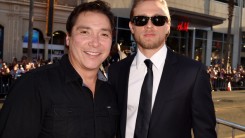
<point x="203" y="113"/>
<point x="21" y="114"/>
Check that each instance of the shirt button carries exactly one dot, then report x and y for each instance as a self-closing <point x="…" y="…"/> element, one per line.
<point x="130" y="107"/>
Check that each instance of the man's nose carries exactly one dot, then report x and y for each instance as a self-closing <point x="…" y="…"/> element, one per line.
<point x="94" y="41"/>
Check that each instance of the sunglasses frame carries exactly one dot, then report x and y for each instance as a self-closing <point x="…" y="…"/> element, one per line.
<point x="137" y="22"/>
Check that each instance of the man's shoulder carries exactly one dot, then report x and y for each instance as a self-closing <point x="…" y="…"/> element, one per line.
<point x="45" y="68"/>
<point x="184" y="62"/>
<point x="44" y="71"/>
<point x="183" y="59"/>
<point x="126" y="61"/>
<point x="119" y="68"/>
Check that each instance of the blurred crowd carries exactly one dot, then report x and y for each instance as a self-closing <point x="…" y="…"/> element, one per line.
<point x="223" y="79"/>
<point x="18" y="67"/>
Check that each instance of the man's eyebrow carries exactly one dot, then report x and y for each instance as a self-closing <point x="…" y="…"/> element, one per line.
<point x="82" y="27"/>
<point x="86" y="27"/>
<point x="106" y="29"/>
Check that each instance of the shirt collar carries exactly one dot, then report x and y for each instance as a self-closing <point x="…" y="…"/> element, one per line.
<point x="157" y="59"/>
<point x="70" y="73"/>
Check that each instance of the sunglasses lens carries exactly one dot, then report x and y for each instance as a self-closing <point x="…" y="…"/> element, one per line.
<point x="143" y="20"/>
<point x="159" y="20"/>
<point x="140" y="20"/>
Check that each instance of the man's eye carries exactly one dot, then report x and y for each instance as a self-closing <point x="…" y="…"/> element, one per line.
<point x="106" y="35"/>
<point x="84" y="32"/>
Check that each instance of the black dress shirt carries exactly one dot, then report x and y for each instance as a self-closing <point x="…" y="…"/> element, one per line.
<point x="52" y="102"/>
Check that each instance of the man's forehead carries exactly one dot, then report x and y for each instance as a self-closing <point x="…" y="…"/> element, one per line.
<point x="149" y="8"/>
<point x="149" y="5"/>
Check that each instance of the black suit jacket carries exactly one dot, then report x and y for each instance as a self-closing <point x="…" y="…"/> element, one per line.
<point x="183" y="101"/>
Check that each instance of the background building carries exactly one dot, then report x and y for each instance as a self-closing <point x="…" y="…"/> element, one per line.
<point x="198" y="30"/>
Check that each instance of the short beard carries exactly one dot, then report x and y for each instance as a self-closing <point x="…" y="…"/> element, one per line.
<point x="153" y="45"/>
<point x="150" y="45"/>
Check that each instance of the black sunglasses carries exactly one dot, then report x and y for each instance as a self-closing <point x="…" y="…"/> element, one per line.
<point x="143" y="20"/>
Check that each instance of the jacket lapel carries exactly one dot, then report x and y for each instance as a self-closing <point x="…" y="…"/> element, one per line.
<point x="164" y="88"/>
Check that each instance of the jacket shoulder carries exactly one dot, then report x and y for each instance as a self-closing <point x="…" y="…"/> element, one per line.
<point x="186" y="61"/>
<point x="122" y="63"/>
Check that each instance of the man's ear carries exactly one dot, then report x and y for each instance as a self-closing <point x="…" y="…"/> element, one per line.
<point x="169" y="28"/>
<point x="67" y="40"/>
<point x="131" y="27"/>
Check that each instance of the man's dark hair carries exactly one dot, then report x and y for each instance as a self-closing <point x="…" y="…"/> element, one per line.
<point x="94" y="6"/>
